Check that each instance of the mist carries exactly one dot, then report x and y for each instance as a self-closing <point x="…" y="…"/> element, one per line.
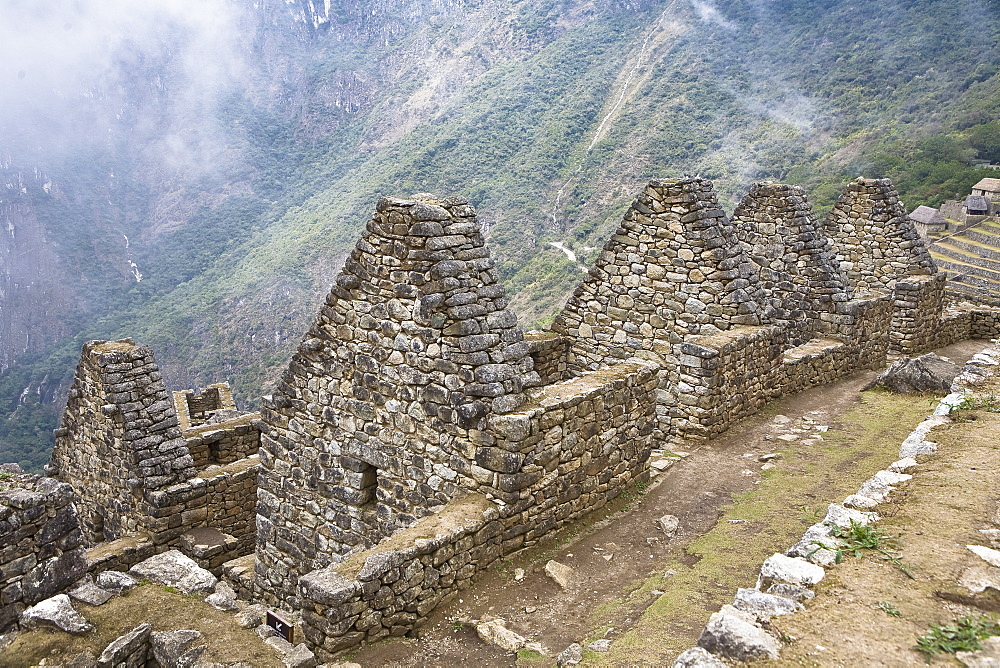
<point x="86" y="75"/>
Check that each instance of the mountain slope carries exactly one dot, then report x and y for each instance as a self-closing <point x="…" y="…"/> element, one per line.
<point x="547" y="114"/>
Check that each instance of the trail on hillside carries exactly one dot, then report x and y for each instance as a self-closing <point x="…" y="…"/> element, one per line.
<point x="620" y="95"/>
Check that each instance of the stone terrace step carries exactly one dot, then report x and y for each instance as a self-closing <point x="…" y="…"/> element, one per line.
<point x="981" y="295"/>
<point x="970" y="246"/>
<point x="953" y="251"/>
<point x="985" y="235"/>
<point x="958" y="266"/>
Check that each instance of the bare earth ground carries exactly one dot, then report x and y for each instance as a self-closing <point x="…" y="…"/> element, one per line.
<point x="653" y="597"/>
<point x="954" y="494"/>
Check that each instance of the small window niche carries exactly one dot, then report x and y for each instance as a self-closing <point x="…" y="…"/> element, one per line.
<point x="360" y="480"/>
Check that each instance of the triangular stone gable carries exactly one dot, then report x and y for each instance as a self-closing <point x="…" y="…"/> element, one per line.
<point x="118" y="437"/>
<point x="798" y="274"/>
<point x="673" y="269"/>
<point x="383" y="405"/>
<point x="875" y="241"/>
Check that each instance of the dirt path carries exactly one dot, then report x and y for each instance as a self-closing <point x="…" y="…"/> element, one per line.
<point x="867" y="611"/>
<point x="652" y="595"/>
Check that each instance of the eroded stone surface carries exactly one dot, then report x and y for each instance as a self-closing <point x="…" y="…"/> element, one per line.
<point x="174" y="569"/>
<point x="57" y="612"/>
<point x="733" y="638"/>
<point x="764" y="606"/>
<point x="561" y="573"/>
<point x="496" y="632"/>
<point x="698" y="657"/>
<point x="789" y="570"/>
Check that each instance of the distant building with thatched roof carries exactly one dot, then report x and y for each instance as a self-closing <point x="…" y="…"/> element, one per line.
<point x="976" y="205"/>
<point x="988" y="188"/>
<point x="928" y="219"/>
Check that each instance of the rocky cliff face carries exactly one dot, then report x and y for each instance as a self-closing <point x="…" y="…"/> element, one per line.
<point x="34" y="306"/>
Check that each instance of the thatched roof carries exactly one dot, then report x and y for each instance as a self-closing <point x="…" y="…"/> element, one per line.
<point x="989" y="185"/>
<point x="976" y="203"/>
<point x="927" y="215"/>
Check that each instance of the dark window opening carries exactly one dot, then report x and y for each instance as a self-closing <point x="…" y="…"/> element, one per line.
<point x="202" y="405"/>
<point x="361" y="480"/>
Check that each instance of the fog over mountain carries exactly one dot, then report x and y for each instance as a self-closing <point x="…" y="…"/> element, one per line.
<point x="191" y="172"/>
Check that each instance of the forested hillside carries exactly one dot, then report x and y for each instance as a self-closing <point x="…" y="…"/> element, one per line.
<point x="209" y="186"/>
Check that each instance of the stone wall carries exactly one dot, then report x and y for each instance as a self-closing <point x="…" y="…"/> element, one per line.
<point x="728" y="376"/>
<point x="916" y="313"/>
<point x="418" y="435"/>
<point x="224" y="442"/>
<point x="549" y="353"/>
<point x="575" y="447"/>
<point x="985" y="323"/>
<point x="389" y="590"/>
<point x="41" y="544"/>
<point x="376" y="421"/>
<point x="223" y="498"/>
<point x="873" y="238"/>
<point x="796" y="275"/>
<point x="117" y="438"/>
<point x="140" y="482"/>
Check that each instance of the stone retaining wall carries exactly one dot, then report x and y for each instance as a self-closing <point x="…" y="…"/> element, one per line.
<point x="41" y="544"/>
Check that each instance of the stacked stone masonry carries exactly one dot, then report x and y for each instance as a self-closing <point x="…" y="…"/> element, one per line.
<point x="41" y="544"/>
<point x="141" y="482"/>
<point x="118" y="430"/>
<point x="578" y="446"/>
<point x="418" y="435"/>
<point x="874" y="239"/>
<point x="795" y="274"/>
<point x="198" y="407"/>
<point x="224" y="441"/>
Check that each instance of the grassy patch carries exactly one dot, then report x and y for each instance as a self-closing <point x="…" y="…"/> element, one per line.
<point x="768" y="519"/>
<point x="889" y="609"/>
<point x="858" y="539"/>
<point x="961" y="636"/>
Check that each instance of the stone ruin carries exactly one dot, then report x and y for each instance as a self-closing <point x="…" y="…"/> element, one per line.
<point x="144" y="478"/>
<point x="418" y="435"/>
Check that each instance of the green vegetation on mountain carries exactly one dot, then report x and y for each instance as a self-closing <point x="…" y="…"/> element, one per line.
<point x="549" y="115"/>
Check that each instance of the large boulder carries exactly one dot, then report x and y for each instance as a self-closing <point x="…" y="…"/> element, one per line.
<point x="927" y="373"/>
<point x="58" y="612"/>
<point x="177" y="570"/>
